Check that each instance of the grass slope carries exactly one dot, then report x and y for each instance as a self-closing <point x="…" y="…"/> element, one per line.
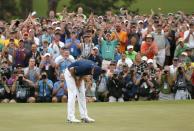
<point x="129" y="116"/>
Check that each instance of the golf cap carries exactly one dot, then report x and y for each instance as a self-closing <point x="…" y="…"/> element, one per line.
<point x="129" y="47"/>
<point x="150" y="61"/>
<point x="57" y="28"/>
<point x="47" y="54"/>
<point x="144" y="58"/>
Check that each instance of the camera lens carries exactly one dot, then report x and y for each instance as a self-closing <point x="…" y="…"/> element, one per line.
<point x="43" y="76"/>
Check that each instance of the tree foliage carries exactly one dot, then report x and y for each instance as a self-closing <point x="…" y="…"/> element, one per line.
<point x="99" y="6"/>
<point x="8" y="9"/>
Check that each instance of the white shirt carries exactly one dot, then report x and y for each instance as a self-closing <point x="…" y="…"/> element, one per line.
<point x="173" y="70"/>
<point x="59" y="58"/>
<point x="36" y="41"/>
<point x="56" y="49"/>
<point x="191" y="39"/>
<point x="127" y="61"/>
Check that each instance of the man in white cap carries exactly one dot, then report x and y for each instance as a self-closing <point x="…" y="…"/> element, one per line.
<point x="130" y="53"/>
<point x="56" y="45"/>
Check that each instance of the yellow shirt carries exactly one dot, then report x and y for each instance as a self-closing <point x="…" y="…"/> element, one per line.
<point x="6" y="42"/>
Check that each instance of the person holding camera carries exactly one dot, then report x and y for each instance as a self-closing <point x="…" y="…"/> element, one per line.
<point x="145" y="86"/>
<point x="129" y="79"/>
<point x="181" y="84"/>
<point x="4" y="90"/>
<point x="45" y="87"/>
<point x="60" y="90"/>
<point x="115" y="87"/>
<point x="47" y="65"/>
<point x="165" y="83"/>
<point x="23" y="90"/>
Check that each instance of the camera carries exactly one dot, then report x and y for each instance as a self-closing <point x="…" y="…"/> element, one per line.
<point x="43" y="76"/>
<point x="179" y="68"/>
<point x="165" y="72"/>
<point x="4" y="78"/>
<point x="144" y="74"/>
<point x="20" y="78"/>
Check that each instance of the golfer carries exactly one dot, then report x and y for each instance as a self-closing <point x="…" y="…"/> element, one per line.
<point x="74" y="76"/>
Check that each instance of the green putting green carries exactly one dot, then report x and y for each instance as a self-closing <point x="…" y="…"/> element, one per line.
<point x="128" y="116"/>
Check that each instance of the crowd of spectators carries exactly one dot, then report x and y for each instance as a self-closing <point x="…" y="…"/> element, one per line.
<point x="143" y="57"/>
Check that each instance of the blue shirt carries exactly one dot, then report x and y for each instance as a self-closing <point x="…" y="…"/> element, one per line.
<point x="82" y="67"/>
<point x="61" y="91"/>
<point x="74" y="51"/>
<point x="43" y="89"/>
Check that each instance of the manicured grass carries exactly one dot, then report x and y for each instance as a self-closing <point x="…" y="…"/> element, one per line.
<point x="129" y="116"/>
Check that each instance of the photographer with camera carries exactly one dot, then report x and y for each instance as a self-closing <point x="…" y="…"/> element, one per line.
<point x="23" y="90"/>
<point x="47" y="65"/>
<point x="115" y="85"/>
<point x="181" y="84"/>
<point x="145" y="86"/>
<point x="45" y="87"/>
<point x="60" y="90"/>
<point x="129" y="80"/>
<point x="4" y="90"/>
<point x="165" y="83"/>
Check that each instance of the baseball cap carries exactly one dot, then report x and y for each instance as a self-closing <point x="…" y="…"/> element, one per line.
<point x="95" y="48"/>
<point x="26" y="34"/>
<point x="144" y="58"/>
<point x="175" y="58"/>
<point x="180" y="40"/>
<point x="188" y="49"/>
<point x="86" y="35"/>
<point x="140" y="21"/>
<point x="129" y="47"/>
<point x="113" y="63"/>
<point x="57" y="28"/>
<point x="11" y="39"/>
<point x="184" y="54"/>
<point x="21" y="40"/>
<point x="150" y="61"/>
<point x="54" y="23"/>
<point x="47" y="54"/>
<point x="149" y="36"/>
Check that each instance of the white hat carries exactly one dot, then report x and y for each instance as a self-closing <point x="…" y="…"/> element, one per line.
<point x="58" y="28"/>
<point x="47" y="54"/>
<point x="95" y="48"/>
<point x="54" y="23"/>
<point x="140" y="21"/>
<point x="144" y="58"/>
<point x="129" y="47"/>
<point x="100" y="17"/>
<point x="125" y="21"/>
<point x="150" y="61"/>
<point x="180" y="40"/>
<point x="184" y="53"/>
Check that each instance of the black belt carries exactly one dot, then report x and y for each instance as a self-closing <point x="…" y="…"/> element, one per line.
<point x="108" y="59"/>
